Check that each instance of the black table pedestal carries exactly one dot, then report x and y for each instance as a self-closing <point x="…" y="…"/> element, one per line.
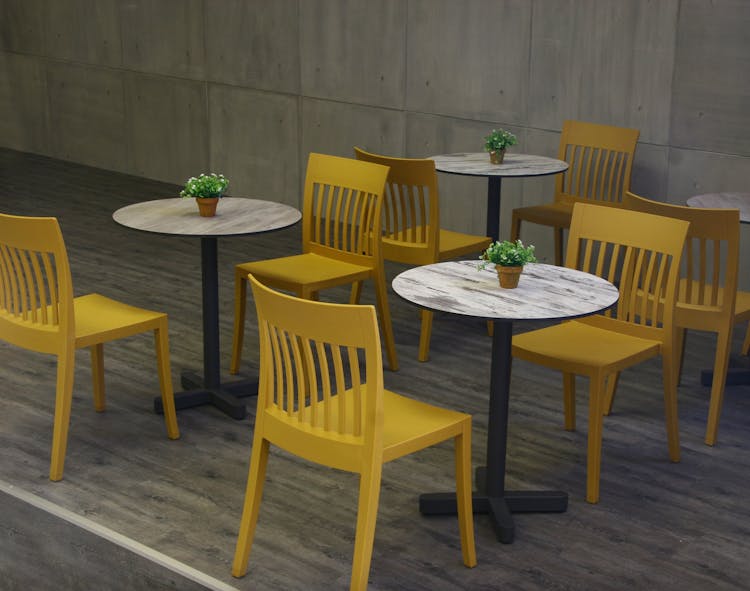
<point x="492" y="497"/>
<point x="198" y="391"/>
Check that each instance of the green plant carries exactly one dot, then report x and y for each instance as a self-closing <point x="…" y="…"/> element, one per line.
<point x="206" y="185"/>
<point x="508" y="254"/>
<point x="499" y="139"/>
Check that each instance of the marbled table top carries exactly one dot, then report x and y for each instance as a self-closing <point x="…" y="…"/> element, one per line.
<point x="478" y="164"/>
<point x="545" y="292"/>
<point x="234" y="216"/>
<point x="739" y="201"/>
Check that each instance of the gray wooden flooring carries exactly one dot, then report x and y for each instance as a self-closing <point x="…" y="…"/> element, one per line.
<point x="658" y="526"/>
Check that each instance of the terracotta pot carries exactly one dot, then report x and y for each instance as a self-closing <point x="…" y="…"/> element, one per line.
<point x="207" y="206"/>
<point x="497" y="156"/>
<point x="508" y="276"/>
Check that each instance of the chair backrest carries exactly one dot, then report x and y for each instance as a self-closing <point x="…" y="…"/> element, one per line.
<point x="411" y="215"/>
<point x="320" y="394"/>
<point x="600" y="162"/>
<point x="710" y="260"/>
<point x="36" y="292"/>
<point x="638" y="252"/>
<point x="342" y="208"/>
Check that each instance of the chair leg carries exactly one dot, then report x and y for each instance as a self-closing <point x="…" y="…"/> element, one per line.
<point x="356" y="292"/>
<point x="63" y="401"/>
<point x="669" y="370"/>
<point x="721" y="363"/>
<point x="161" y="342"/>
<point x="569" y="400"/>
<point x="367" y="514"/>
<point x="238" y="336"/>
<point x="97" y="377"/>
<point x="425" y="334"/>
<point x="559" y="247"/>
<point x="596" y="419"/>
<point x="254" y="492"/>
<point x="515" y="227"/>
<point x="463" y="495"/>
<point x="384" y="314"/>
<point x="680" y="345"/>
<point x="609" y="394"/>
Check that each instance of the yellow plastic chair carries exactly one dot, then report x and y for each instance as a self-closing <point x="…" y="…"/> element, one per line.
<point x="600" y="159"/>
<point x="314" y="402"/>
<point x="707" y="297"/>
<point x="341" y="228"/>
<point x="411" y="226"/>
<point x="38" y="312"/>
<point x="640" y="253"/>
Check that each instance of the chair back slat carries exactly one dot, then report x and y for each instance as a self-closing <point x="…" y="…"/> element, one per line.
<point x="36" y="295"/>
<point x="600" y="161"/>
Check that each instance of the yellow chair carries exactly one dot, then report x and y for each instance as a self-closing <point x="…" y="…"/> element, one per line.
<point x="341" y="228"/>
<point x="314" y="402"/>
<point x="640" y="253"/>
<point x="600" y="159"/>
<point x="411" y="227"/>
<point x="708" y="287"/>
<point x="38" y="312"/>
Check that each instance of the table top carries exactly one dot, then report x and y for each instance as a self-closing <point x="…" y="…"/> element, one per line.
<point x="545" y="292"/>
<point x="478" y="164"/>
<point x="739" y="201"/>
<point x="234" y="216"/>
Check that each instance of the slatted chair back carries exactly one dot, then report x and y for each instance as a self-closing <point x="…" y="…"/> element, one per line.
<point x="36" y="294"/>
<point x="600" y="159"/>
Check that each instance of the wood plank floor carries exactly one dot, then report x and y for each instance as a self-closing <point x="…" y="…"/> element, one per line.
<point x="658" y="526"/>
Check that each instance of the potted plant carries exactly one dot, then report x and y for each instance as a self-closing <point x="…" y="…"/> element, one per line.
<point x="206" y="189"/>
<point x="496" y="143"/>
<point x="509" y="259"/>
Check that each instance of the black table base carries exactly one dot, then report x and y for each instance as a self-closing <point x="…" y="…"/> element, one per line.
<point x="227" y="397"/>
<point x="499" y="508"/>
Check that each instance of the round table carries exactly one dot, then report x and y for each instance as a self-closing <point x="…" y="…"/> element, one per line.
<point x="235" y="216"/>
<point x="545" y="292"/>
<point x="739" y="201"/>
<point x="514" y="165"/>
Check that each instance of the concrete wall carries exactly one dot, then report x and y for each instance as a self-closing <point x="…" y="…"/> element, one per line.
<point x="168" y="88"/>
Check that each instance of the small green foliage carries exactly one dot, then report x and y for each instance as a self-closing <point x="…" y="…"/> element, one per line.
<point x="508" y="254"/>
<point x="499" y="139"/>
<point x="206" y="185"/>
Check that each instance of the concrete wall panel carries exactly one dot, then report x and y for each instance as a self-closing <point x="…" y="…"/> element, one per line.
<point x="353" y="50"/>
<point x="335" y="128"/>
<point x="711" y="94"/>
<point x="650" y="171"/>
<point x="253" y="43"/>
<point x="693" y="173"/>
<point x="254" y="143"/>
<point x="603" y="61"/>
<point x="84" y="31"/>
<point x="164" y="37"/>
<point x="87" y="115"/>
<point x="469" y="59"/>
<point x="167" y="127"/>
<point x="24" y="119"/>
<point x="22" y="26"/>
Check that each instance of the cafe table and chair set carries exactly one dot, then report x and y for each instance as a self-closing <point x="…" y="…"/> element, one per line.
<point x="637" y="274"/>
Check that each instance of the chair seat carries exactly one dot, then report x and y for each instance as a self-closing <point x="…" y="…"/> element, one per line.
<point x="100" y="319"/>
<point x="550" y="214"/>
<point x="580" y="348"/>
<point x="454" y="244"/>
<point x="311" y="270"/>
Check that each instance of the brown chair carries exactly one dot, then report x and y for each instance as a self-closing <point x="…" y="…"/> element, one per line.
<point x="600" y="159"/>
<point x="38" y="312"/>
<point x="411" y="224"/>
<point x="707" y="298"/>
<point x="640" y="253"/>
